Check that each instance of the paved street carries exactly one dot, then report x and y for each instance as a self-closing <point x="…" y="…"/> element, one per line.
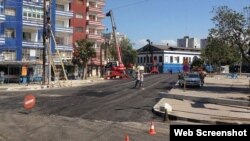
<point x="110" y="109"/>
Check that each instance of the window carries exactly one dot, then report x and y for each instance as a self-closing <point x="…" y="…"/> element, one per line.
<point x="166" y="59"/>
<point x="27" y="36"/>
<point x="30" y="54"/>
<point x="32" y="13"/>
<point x="9" y="33"/>
<point x="92" y="17"/>
<point x="10" y="11"/>
<point x="171" y="59"/>
<point x="68" y="54"/>
<point x="92" y="4"/>
<point x="60" y="23"/>
<point x="177" y="59"/>
<point x="184" y="59"/>
<point x="91" y="31"/>
<point x="59" y="7"/>
<point x="78" y="29"/>
<point x="59" y="40"/>
<point x="155" y="58"/>
<point x="1" y="7"/>
<point x="80" y="1"/>
<point x="9" y="55"/>
<point x="160" y="58"/>
<point x="79" y="15"/>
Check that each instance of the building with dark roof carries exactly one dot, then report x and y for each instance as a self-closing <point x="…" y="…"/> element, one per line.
<point x="167" y="58"/>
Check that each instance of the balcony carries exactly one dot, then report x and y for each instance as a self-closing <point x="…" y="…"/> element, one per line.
<point x="33" y="22"/>
<point x="64" y="47"/>
<point x="101" y="27"/>
<point x="64" y="29"/>
<point x="67" y="14"/>
<point x="32" y="44"/>
<point x="33" y="3"/>
<point x="100" y="41"/>
<point x="94" y="36"/>
<point x="94" y="9"/>
<point x="101" y="15"/>
<point x="2" y="40"/>
<point x="63" y="1"/>
<point x="94" y="23"/>
<point x="101" y="3"/>
<point x="2" y="17"/>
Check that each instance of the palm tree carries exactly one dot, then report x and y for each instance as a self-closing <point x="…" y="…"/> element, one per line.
<point x="83" y="52"/>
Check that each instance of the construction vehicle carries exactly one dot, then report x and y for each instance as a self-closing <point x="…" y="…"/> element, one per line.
<point x="115" y="68"/>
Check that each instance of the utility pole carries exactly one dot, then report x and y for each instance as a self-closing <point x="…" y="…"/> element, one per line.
<point x="46" y="41"/>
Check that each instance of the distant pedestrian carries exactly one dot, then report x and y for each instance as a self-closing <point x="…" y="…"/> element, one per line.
<point x="179" y="75"/>
<point x="171" y="71"/>
<point x="141" y="80"/>
<point x="202" y="77"/>
<point x="137" y="79"/>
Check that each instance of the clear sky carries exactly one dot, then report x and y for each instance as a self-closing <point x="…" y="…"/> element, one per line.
<point x="163" y="21"/>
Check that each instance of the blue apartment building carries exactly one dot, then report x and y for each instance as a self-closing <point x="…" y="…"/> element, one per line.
<point x="21" y="35"/>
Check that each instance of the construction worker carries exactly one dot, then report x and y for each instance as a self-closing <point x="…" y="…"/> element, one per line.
<point x="139" y="79"/>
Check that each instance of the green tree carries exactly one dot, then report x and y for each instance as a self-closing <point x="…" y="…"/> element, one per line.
<point x="219" y="53"/>
<point x="233" y="29"/>
<point x="83" y="52"/>
<point x="197" y="63"/>
<point x="129" y="54"/>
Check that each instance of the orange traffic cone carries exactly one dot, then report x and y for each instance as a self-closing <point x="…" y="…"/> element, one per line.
<point x="127" y="138"/>
<point x="152" y="129"/>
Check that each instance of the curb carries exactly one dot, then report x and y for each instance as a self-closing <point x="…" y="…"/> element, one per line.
<point x="174" y="117"/>
<point x="46" y="87"/>
<point x="206" y="99"/>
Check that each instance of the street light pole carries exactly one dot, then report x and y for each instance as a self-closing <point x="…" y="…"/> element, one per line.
<point x="148" y="50"/>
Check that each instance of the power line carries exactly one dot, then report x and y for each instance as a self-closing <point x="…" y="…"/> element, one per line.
<point x="130" y="4"/>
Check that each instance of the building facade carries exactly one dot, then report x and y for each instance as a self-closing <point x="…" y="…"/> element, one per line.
<point x="87" y="24"/>
<point x="21" y="32"/>
<point x="167" y="58"/>
<point x="183" y="42"/>
<point x="203" y="43"/>
<point x="194" y="43"/>
<point x="188" y="42"/>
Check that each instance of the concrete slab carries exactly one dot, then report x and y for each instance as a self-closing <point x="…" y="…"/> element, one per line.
<point x="220" y="101"/>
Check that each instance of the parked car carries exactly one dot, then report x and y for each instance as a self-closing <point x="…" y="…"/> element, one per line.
<point x="191" y="79"/>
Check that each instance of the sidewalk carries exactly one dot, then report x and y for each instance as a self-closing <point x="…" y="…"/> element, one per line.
<point x="221" y="101"/>
<point x="57" y="84"/>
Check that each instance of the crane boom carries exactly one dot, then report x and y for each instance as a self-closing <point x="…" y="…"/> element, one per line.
<point x="110" y="13"/>
<point x="119" y="70"/>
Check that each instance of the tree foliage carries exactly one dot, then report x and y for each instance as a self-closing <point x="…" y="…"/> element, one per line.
<point x="128" y="54"/>
<point x="219" y="53"/>
<point x="197" y="62"/>
<point x="82" y="53"/>
<point x="231" y="31"/>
